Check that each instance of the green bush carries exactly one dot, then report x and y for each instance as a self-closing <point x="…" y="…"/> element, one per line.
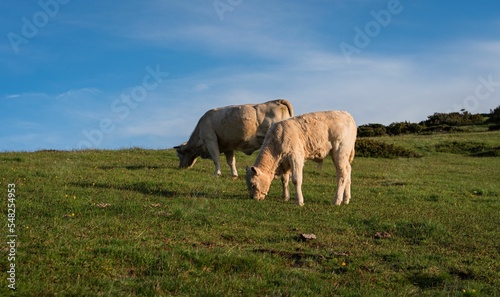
<point x="376" y="149"/>
<point x="404" y="128"/>
<point x="371" y="130"/>
<point x="442" y="129"/>
<point x="454" y="119"/>
<point x="494" y="127"/>
<point x="495" y="116"/>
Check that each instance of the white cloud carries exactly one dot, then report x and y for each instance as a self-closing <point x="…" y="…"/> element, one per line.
<point x="13" y="96"/>
<point x="79" y="94"/>
<point x="28" y="96"/>
<point x="201" y="87"/>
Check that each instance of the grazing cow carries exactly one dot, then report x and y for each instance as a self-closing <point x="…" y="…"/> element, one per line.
<point x="230" y="128"/>
<point x="310" y="136"/>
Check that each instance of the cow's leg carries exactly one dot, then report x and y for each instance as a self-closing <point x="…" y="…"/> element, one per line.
<point x="231" y="161"/>
<point x="342" y="167"/>
<point x="285" y="178"/>
<point x="297" y="166"/>
<point x="213" y="149"/>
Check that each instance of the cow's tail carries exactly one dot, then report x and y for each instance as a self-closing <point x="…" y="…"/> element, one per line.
<point x="288" y="105"/>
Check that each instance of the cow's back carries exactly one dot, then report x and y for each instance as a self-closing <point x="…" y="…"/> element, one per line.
<point x="271" y="112"/>
<point x="243" y="127"/>
<point x="233" y="125"/>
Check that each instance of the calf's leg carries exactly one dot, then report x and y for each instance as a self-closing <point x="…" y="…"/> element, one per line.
<point x="285" y="178"/>
<point x="347" y="191"/>
<point x="297" y="166"/>
<point x="342" y="167"/>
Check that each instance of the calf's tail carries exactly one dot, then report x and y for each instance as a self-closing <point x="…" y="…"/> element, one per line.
<point x="351" y="156"/>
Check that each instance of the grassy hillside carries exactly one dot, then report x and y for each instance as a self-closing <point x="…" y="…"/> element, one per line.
<point x="128" y="222"/>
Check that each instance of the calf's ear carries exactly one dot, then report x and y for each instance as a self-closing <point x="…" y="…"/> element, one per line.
<point x="255" y="170"/>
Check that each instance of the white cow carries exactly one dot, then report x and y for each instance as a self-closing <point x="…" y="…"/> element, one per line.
<point x="310" y="136"/>
<point x="230" y="128"/>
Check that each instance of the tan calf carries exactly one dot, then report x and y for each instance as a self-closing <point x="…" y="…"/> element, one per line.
<point x="311" y="136"/>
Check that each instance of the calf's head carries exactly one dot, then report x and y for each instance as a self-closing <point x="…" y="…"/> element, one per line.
<point x="258" y="183"/>
<point x="187" y="156"/>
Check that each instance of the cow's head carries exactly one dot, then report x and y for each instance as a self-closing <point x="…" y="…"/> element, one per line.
<point x="258" y="183"/>
<point x="187" y="156"/>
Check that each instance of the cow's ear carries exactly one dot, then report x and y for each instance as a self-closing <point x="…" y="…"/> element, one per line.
<point x="180" y="148"/>
<point x="255" y="170"/>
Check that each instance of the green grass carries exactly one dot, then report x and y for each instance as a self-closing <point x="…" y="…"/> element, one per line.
<point x="128" y="222"/>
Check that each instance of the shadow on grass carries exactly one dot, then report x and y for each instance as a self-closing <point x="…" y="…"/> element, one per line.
<point x="471" y="148"/>
<point x="133" y="167"/>
<point x="144" y="188"/>
<point x="11" y="159"/>
<point x="298" y="259"/>
<point x="429" y="279"/>
<point x="156" y="189"/>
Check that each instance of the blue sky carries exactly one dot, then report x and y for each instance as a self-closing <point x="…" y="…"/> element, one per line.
<point x="120" y="74"/>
